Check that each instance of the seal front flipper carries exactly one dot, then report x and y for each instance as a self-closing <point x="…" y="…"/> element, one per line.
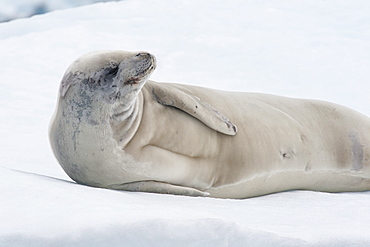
<point x="158" y="187"/>
<point x="170" y="96"/>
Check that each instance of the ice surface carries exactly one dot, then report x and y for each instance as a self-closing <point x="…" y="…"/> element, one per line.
<point x="310" y="49"/>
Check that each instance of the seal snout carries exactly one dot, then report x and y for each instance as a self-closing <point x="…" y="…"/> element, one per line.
<point x="145" y="63"/>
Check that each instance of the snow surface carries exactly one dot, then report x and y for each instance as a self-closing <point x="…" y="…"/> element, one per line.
<point x="309" y="49"/>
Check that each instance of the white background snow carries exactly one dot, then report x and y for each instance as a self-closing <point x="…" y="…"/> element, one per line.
<point x="307" y="49"/>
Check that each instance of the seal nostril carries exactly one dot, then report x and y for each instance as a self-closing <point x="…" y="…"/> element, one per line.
<point x="139" y="54"/>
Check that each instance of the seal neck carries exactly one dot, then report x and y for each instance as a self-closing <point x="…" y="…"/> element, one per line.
<point x="125" y="121"/>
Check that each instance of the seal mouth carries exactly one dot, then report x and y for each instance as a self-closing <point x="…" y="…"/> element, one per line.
<point x="133" y="81"/>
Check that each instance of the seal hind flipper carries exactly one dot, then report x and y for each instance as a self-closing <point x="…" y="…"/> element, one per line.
<point x="158" y="187"/>
<point x="170" y="96"/>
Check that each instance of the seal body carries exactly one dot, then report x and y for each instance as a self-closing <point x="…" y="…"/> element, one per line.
<point x="115" y="129"/>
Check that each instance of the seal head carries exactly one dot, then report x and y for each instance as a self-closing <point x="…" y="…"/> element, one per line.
<point x="114" y="74"/>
